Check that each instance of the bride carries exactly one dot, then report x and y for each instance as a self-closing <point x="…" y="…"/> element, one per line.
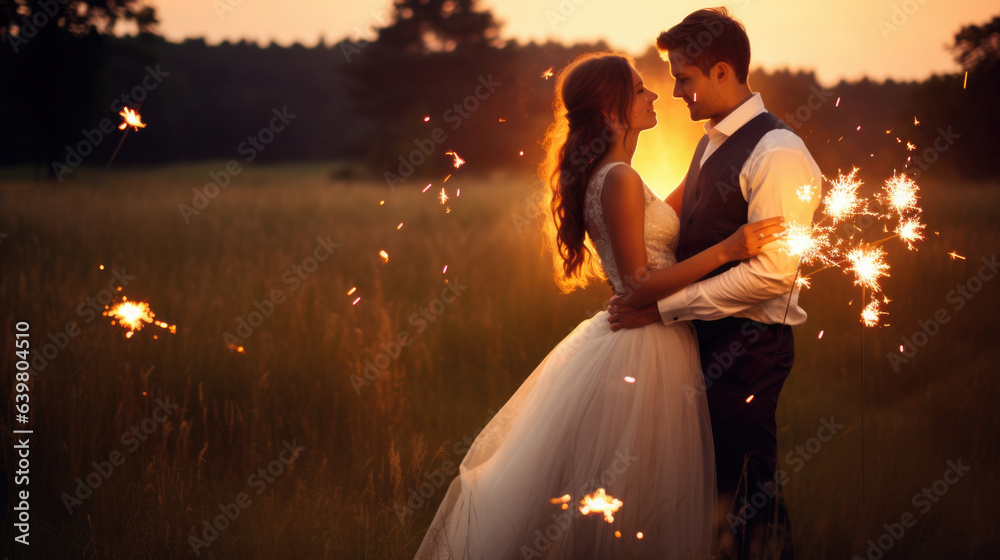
<point x="605" y="410"/>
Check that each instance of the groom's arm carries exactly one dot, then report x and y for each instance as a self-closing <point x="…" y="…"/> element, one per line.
<point x="770" y="182"/>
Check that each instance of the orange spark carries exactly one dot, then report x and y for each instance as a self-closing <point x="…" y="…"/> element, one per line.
<point x="426" y="119"/>
<point x="443" y="197"/>
<point x="548" y="73"/>
<point x="400" y="226"/>
<point x="445" y="269"/>
<point x="955" y="255"/>
<point x="820" y="334"/>
<point x="966" y="79"/>
<point x="132" y="119"/>
<point x="521" y="153"/>
<point x="639" y="535"/>
<point x="750" y="398"/>
<point x="629" y="379"/>
<point x="384" y="255"/>
<point x="837" y="104"/>
<point x="458" y="160"/>
<point x="352" y="290"/>
<point x="427" y="187"/>
<point x="355" y="302"/>
<point x="910" y="146"/>
<point x="503" y="120"/>
<point x="560" y="500"/>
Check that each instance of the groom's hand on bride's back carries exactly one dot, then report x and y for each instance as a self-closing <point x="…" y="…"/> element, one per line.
<point x="624" y="316"/>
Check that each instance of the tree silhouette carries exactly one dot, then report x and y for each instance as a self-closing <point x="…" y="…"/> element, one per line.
<point x="977" y="47"/>
<point x="427" y="26"/>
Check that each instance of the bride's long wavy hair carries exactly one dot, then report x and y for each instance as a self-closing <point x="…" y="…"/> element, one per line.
<point x="592" y="107"/>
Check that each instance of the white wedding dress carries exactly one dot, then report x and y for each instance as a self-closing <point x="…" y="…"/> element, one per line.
<point x="613" y="410"/>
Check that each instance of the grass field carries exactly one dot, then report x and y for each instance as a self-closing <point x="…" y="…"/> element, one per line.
<point x="367" y="450"/>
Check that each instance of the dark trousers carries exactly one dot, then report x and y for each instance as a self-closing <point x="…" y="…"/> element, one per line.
<point x="741" y="358"/>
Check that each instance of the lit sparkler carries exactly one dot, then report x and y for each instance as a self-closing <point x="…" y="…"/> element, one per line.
<point x="910" y="230"/>
<point x="868" y="265"/>
<point x="132" y="119"/>
<point x="600" y="502"/>
<point x="870" y="314"/>
<point x="901" y="193"/>
<point x="842" y="202"/>
<point x="132" y="316"/>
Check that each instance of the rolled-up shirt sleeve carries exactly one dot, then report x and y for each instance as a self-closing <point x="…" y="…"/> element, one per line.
<point x="771" y="183"/>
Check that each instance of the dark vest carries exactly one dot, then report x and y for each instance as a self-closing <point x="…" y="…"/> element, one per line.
<point x="713" y="206"/>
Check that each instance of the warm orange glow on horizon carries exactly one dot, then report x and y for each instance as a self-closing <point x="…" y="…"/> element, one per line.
<point x="879" y="50"/>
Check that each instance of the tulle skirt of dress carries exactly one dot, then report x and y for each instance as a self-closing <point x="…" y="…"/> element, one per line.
<point x="615" y="410"/>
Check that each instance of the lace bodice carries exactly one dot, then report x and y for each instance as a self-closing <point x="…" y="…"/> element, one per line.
<point x="661" y="228"/>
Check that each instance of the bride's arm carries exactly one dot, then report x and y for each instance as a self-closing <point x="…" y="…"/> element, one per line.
<point x="624" y="206"/>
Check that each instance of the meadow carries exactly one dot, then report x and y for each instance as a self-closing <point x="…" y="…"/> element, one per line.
<point x="361" y="409"/>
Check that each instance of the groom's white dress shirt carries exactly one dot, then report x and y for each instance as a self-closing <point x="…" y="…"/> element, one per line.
<point x="770" y="181"/>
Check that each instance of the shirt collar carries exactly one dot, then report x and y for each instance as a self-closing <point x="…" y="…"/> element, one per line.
<point x="740" y="116"/>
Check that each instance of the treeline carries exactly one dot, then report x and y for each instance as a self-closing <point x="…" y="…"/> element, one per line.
<point x="393" y="108"/>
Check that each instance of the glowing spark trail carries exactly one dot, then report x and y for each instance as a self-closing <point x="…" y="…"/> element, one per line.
<point x="134" y="315"/>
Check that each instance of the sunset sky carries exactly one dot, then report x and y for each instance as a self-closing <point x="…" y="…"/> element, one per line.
<point x="899" y="39"/>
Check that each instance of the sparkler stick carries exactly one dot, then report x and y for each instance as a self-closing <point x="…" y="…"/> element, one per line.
<point x="866" y="260"/>
<point x="131" y="119"/>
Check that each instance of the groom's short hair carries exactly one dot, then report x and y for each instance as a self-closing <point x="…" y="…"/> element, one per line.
<point x="709" y="36"/>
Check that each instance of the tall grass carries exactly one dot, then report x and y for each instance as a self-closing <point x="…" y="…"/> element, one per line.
<point x="370" y="449"/>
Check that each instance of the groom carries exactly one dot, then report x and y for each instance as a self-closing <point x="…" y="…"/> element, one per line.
<point x="748" y="166"/>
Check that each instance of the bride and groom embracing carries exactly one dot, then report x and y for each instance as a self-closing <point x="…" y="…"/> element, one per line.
<point x="666" y="401"/>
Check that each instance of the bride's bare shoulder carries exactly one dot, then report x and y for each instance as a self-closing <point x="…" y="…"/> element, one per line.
<point x="621" y="181"/>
